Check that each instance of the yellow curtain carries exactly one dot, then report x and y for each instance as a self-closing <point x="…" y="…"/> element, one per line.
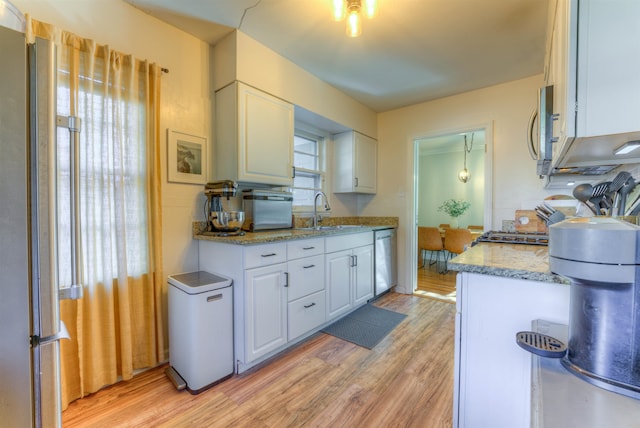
<point x="118" y="326"/>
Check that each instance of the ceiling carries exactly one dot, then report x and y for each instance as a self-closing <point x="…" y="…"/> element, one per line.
<point x="412" y="51"/>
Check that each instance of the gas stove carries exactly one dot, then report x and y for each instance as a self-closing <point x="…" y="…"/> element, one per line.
<point x="531" y="238"/>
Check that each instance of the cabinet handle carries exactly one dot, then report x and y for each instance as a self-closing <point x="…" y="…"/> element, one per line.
<point x="354" y="261"/>
<point x="214" y="298"/>
<point x="356" y="181"/>
<point x="308" y="248"/>
<point x="286" y="279"/>
<point x="268" y="255"/>
<point x="308" y="306"/>
<point x="293" y="174"/>
<point x="308" y="266"/>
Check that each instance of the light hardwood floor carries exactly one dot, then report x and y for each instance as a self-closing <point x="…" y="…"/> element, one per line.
<point x="432" y="283"/>
<point x="405" y="381"/>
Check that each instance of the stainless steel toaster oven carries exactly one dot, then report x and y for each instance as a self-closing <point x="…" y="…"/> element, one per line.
<point x="267" y="209"/>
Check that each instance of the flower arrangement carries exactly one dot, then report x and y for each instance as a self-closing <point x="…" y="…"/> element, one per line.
<point x="455" y="208"/>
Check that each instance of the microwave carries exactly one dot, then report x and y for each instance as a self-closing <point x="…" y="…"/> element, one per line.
<point x="267" y="209"/>
<point x="540" y="135"/>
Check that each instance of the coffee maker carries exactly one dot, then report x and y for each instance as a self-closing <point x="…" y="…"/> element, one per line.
<point x="222" y="222"/>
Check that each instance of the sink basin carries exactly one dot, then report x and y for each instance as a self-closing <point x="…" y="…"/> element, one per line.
<point x="335" y="227"/>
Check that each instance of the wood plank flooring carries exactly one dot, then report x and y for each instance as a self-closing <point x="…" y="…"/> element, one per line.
<point x="430" y="283"/>
<point x="405" y="381"/>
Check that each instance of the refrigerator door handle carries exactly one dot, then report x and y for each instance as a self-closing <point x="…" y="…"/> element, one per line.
<point x="73" y="123"/>
<point x="62" y="334"/>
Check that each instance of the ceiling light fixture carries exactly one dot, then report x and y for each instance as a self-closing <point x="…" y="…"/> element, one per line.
<point x="627" y="147"/>
<point x="353" y="10"/>
<point x="465" y="175"/>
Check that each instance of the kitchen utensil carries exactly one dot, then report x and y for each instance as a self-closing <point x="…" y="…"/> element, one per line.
<point x="549" y="214"/>
<point x="227" y="221"/>
<point x="626" y="188"/>
<point x="598" y="197"/>
<point x="583" y="192"/>
<point x="614" y="187"/>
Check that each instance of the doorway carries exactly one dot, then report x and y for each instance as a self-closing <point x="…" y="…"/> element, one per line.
<point x="438" y="159"/>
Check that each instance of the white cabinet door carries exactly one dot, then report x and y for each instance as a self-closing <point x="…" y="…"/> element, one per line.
<point x="254" y="136"/>
<point x="593" y="53"/>
<point x="355" y="163"/>
<point x="338" y="282"/>
<point x="265" y="310"/>
<point x="490" y="366"/>
<point x="265" y="138"/>
<point x="608" y="62"/>
<point x="363" y="275"/>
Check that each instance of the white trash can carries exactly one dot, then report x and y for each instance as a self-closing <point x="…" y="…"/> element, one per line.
<point x="200" y="330"/>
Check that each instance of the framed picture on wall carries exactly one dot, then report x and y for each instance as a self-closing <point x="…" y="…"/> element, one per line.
<point x="186" y="158"/>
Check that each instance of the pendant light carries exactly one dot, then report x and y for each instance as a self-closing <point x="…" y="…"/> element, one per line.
<point x="464" y="175"/>
<point x="353" y="10"/>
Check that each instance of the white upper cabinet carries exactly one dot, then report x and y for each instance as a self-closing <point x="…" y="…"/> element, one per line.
<point x="254" y="136"/>
<point x="593" y="55"/>
<point x="355" y="157"/>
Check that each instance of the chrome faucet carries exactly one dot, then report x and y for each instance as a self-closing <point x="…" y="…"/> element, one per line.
<point x="315" y="207"/>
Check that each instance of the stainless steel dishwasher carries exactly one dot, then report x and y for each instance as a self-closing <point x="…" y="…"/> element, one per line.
<point x="386" y="272"/>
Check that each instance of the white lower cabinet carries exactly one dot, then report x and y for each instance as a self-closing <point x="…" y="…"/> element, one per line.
<point x="265" y="309"/>
<point x="282" y="291"/>
<point x="349" y="272"/>
<point x="489" y="366"/>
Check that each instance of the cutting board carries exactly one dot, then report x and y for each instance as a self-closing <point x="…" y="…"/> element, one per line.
<point x="528" y="221"/>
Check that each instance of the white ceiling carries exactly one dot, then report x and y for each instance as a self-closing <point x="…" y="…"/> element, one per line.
<point x="412" y="51"/>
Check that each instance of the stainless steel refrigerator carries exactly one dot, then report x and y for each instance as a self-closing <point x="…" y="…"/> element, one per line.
<point x="30" y="325"/>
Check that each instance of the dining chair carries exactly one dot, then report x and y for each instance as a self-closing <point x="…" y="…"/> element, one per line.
<point x="455" y="241"/>
<point x="429" y="239"/>
<point x="444" y="226"/>
<point x="475" y="227"/>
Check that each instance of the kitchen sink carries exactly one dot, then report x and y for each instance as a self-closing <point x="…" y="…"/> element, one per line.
<point x="335" y="227"/>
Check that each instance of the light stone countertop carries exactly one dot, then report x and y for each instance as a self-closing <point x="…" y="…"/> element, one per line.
<point x="521" y="261"/>
<point x="366" y="224"/>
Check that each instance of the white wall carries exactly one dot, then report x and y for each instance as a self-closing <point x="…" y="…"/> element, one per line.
<point x="239" y="57"/>
<point x="185" y="96"/>
<point x="515" y="184"/>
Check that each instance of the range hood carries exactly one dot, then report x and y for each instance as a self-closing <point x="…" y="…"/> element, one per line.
<point x="591" y="159"/>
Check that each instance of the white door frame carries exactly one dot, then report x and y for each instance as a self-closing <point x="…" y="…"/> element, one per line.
<point x="487" y="127"/>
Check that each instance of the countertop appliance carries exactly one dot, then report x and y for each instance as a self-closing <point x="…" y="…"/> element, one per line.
<point x="29" y="307"/>
<point x="560" y="399"/>
<point x="200" y="330"/>
<point x="385" y="261"/>
<point x="601" y="256"/>
<point x="221" y="221"/>
<point x="267" y="209"/>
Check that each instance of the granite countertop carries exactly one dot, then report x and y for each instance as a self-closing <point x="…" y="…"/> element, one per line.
<point x="520" y="261"/>
<point x="364" y="224"/>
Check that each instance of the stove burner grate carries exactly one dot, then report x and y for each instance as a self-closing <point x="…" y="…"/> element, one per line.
<point x="531" y="238"/>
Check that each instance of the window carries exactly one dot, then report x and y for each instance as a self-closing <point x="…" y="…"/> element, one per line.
<point x="112" y="169"/>
<point x="309" y="163"/>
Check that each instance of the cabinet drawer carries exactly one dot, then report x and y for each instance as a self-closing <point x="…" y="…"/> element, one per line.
<point x="345" y="242"/>
<point x="306" y="276"/>
<point x="264" y="255"/>
<point x="306" y="314"/>
<point x="304" y="248"/>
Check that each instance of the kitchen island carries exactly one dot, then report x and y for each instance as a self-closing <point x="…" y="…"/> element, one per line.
<point x="501" y="289"/>
<point x="289" y="284"/>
